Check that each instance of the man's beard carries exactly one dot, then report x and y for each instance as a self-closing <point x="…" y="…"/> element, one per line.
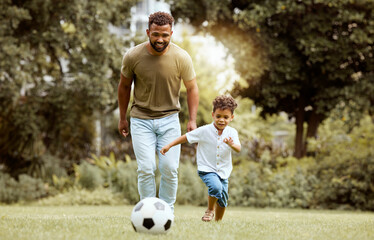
<point x="159" y="49"/>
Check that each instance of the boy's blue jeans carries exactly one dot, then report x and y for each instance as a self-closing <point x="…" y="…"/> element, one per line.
<point x="217" y="187"/>
<point x="148" y="137"/>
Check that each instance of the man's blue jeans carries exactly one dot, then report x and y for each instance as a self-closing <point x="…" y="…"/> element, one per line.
<point x="148" y="137"/>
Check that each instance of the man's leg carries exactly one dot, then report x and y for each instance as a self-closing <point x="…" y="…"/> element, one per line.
<point x="144" y="144"/>
<point x="168" y="130"/>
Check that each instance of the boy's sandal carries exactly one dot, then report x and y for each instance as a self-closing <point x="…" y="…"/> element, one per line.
<point x="208" y="216"/>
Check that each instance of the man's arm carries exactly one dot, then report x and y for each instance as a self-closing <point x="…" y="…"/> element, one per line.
<point x="124" y="92"/>
<point x="193" y="102"/>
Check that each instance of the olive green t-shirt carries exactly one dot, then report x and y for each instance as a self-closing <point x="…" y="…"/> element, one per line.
<point x="157" y="80"/>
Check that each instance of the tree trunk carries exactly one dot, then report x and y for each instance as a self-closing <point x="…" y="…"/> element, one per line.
<point x="300" y="115"/>
<point x="98" y="129"/>
<point x="313" y="124"/>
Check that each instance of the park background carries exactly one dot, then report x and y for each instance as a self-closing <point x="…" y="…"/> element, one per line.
<point x="301" y="71"/>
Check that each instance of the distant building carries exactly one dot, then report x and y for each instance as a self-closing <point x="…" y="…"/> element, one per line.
<point x="139" y="18"/>
<point x="141" y="12"/>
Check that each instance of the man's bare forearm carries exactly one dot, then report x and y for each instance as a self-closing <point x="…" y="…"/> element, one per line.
<point x="124" y="93"/>
<point x="193" y="103"/>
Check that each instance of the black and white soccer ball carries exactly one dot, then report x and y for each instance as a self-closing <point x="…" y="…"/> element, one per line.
<point x="152" y="215"/>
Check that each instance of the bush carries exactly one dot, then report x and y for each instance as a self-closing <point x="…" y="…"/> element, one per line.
<point x="53" y="166"/>
<point x="26" y="188"/>
<point x="191" y="189"/>
<point x="126" y="183"/>
<point x="121" y="178"/>
<point x="76" y="196"/>
<point x="282" y="183"/>
<point x="89" y="176"/>
<point x="341" y="175"/>
<point x="346" y="169"/>
<point x="260" y="184"/>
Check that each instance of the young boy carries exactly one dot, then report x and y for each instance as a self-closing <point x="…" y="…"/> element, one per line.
<point x="214" y="164"/>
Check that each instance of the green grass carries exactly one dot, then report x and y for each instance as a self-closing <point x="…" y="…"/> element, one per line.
<point x="113" y="222"/>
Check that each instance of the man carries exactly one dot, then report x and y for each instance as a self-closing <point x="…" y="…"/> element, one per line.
<point x="156" y="68"/>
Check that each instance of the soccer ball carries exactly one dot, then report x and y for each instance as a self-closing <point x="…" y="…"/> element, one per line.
<point x="152" y="215"/>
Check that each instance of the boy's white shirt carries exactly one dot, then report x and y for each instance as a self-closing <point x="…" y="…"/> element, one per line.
<point x="213" y="155"/>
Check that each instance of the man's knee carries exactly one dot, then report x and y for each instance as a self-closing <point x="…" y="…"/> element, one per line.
<point x="146" y="172"/>
<point x="169" y="171"/>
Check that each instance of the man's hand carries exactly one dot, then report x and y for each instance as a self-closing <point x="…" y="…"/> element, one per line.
<point x="123" y="127"/>
<point x="191" y="125"/>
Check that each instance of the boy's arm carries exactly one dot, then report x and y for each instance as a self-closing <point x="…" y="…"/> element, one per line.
<point x="230" y="142"/>
<point x="179" y="140"/>
<point x="236" y="147"/>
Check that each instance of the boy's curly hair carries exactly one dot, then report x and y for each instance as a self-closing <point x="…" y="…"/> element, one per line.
<point x="160" y="19"/>
<point x="224" y="102"/>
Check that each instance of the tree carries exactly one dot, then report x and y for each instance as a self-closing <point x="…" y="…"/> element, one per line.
<point x="314" y="54"/>
<point x="59" y="64"/>
<point x="207" y="75"/>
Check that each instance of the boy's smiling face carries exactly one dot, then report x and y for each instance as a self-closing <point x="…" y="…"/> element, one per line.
<point x="222" y="118"/>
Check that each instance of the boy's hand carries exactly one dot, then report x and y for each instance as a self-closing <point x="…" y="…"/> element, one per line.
<point x="164" y="150"/>
<point x="228" y="141"/>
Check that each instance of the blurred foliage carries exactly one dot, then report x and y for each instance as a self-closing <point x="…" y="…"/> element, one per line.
<point x="206" y="80"/>
<point x="340" y="176"/>
<point x="59" y="70"/>
<point x="275" y="134"/>
<point x="284" y="183"/>
<point x="109" y="166"/>
<point x="191" y="190"/>
<point x="303" y="57"/>
<point x="122" y="181"/>
<point x="127" y="182"/>
<point x="89" y="176"/>
<point x="76" y="196"/>
<point x="23" y="189"/>
<point x="345" y="166"/>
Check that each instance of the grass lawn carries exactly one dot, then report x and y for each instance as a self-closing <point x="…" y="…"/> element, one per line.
<point x="113" y="222"/>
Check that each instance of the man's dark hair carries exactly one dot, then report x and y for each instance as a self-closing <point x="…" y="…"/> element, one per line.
<point x="224" y="102"/>
<point x="160" y="19"/>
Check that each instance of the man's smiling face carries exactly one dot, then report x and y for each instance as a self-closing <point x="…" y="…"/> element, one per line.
<point x="159" y="36"/>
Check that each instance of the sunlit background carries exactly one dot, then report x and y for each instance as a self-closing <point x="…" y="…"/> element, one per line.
<point x="301" y="72"/>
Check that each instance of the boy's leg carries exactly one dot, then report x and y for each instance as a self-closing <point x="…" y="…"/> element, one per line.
<point x="212" y="181"/>
<point x="211" y="203"/>
<point x="220" y="211"/>
<point x="222" y="202"/>
<point x="209" y="213"/>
